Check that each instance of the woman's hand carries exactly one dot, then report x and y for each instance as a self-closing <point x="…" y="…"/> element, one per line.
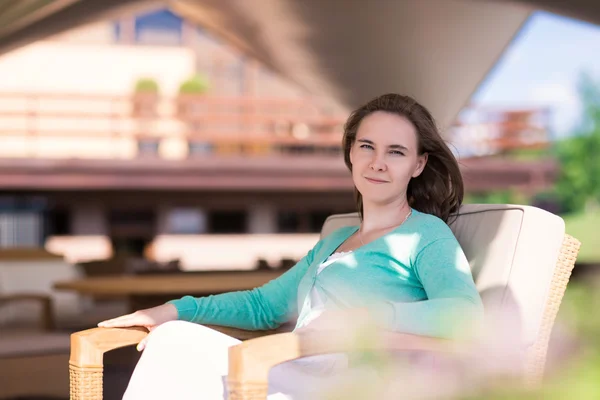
<point x="149" y="318"/>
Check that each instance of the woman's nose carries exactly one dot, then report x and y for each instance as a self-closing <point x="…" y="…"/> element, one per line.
<point x="377" y="163"/>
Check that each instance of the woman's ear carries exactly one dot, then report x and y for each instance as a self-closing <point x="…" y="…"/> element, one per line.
<point x="421" y="162"/>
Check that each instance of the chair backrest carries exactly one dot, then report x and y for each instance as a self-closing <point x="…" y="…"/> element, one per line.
<point x="24" y="271"/>
<point x="519" y="259"/>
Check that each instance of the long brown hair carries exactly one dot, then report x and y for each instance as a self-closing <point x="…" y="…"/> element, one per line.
<point x="439" y="189"/>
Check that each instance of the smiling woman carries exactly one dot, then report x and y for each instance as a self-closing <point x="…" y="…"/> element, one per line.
<point x="401" y="269"/>
<point x="411" y="150"/>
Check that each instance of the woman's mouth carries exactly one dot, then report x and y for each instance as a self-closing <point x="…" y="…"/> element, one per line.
<point x="373" y="180"/>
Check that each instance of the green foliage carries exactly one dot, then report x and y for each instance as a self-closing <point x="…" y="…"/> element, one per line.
<point x="146" y="85"/>
<point x="496" y="197"/>
<point x="196" y="84"/>
<point x="579" y="182"/>
<point x="584" y="226"/>
<point x="531" y="154"/>
<point x="579" y="311"/>
<point x="589" y="90"/>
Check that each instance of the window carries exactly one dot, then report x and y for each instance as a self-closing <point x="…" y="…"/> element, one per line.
<point x="132" y="223"/>
<point x="21" y="229"/>
<point x="316" y="219"/>
<point x="131" y="230"/>
<point x="184" y="221"/>
<point x="227" y="222"/>
<point x="59" y="222"/>
<point x="131" y="217"/>
<point x="160" y="27"/>
<point x="288" y="222"/>
<point x="291" y="221"/>
<point x="22" y="221"/>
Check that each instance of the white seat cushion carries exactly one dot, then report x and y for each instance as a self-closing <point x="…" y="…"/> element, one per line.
<point x="512" y="251"/>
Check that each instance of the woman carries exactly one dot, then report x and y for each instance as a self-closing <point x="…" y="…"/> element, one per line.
<point x="402" y="266"/>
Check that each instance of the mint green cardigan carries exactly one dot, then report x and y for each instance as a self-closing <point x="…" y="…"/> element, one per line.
<point x="415" y="279"/>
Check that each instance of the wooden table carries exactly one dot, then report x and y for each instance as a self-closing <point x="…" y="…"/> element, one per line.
<point x="149" y="290"/>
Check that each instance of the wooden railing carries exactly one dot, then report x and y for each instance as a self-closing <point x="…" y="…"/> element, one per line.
<point x="38" y="125"/>
<point x="489" y="131"/>
<point x="106" y="126"/>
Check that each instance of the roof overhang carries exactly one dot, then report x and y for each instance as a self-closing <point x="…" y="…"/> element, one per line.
<point x="436" y="50"/>
<point x="299" y="174"/>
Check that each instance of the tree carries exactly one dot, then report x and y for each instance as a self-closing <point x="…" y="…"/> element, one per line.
<point x="578" y="184"/>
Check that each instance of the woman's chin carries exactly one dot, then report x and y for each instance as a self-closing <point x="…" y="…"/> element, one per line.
<point x="377" y="201"/>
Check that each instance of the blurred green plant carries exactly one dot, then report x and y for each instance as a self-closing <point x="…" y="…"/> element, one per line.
<point x="531" y="154"/>
<point x="584" y="226"/>
<point x="578" y="378"/>
<point x="146" y="85"/>
<point x="575" y="375"/>
<point x="509" y="196"/>
<point x="196" y="84"/>
<point x="578" y="185"/>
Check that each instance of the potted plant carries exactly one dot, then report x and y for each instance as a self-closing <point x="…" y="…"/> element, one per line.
<point x="145" y="98"/>
<point x="189" y="108"/>
<point x="144" y="109"/>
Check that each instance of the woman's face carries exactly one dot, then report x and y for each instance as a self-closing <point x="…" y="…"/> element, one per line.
<point x="384" y="157"/>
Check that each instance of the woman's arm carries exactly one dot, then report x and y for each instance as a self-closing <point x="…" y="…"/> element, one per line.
<point x="262" y="308"/>
<point x="453" y="308"/>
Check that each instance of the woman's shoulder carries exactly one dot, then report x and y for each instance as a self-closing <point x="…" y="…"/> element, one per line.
<point x="341" y="231"/>
<point x="430" y="227"/>
<point x="333" y="239"/>
<point x="336" y="234"/>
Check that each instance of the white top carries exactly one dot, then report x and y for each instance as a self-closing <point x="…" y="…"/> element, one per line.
<point x="315" y="300"/>
<point x="331" y="259"/>
<point x="324" y="363"/>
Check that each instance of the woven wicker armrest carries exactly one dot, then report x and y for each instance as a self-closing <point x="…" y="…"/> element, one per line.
<point x="88" y="348"/>
<point x="47" y="318"/>
<point x="87" y="353"/>
<point x="250" y="362"/>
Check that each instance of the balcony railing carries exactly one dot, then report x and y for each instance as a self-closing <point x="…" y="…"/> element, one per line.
<point x="127" y="127"/>
<point x="481" y="131"/>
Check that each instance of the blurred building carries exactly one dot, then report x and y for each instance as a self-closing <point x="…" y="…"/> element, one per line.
<point x="83" y="155"/>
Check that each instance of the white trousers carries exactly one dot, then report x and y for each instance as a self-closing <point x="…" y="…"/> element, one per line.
<point x="184" y="361"/>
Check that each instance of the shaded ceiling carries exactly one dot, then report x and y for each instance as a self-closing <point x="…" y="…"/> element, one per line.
<point x="349" y="50"/>
<point x="435" y="50"/>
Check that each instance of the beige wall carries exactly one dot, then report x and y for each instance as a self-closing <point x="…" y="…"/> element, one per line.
<point x="73" y="67"/>
<point x="229" y="252"/>
<point x="86" y="62"/>
<point x="97" y="33"/>
<point x="63" y="67"/>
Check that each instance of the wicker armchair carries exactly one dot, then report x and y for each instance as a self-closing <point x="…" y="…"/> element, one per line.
<point x="520" y="249"/>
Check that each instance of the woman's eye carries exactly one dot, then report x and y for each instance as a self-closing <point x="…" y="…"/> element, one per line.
<point x="366" y="146"/>
<point x="396" y="153"/>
